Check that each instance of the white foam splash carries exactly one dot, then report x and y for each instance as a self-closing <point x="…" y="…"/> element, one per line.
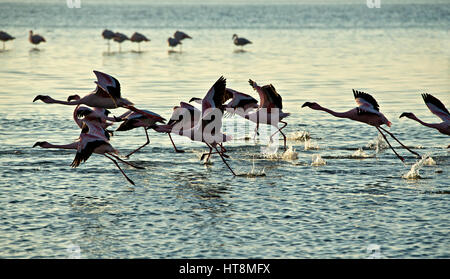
<point x="290" y="154"/>
<point x="413" y="173"/>
<point x="377" y="143"/>
<point x="254" y="173"/>
<point x="309" y="145"/>
<point x="299" y="136"/>
<point x="317" y="160"/>
<point x="429" y="162"/>
<point x="360" y="153"/>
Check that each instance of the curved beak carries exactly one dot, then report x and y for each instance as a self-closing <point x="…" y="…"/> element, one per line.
<point x="306" y="104"/>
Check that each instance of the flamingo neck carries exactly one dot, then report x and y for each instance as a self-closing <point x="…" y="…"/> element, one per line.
<point x="435" y="126"/>
<point x="73" y="145"/>
<point x="334" y="113"/>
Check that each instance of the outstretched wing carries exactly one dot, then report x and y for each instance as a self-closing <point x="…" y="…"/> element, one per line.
<point x="436" y="107"/>
<point x="216" y="95"/>
<point x="85" y="150"/>
<point x="269" y="98"/>
<point x="365" y="100"/>
<point x="108" y="85"/>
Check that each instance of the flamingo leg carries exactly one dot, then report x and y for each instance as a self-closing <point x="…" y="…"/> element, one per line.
<point x="209" y="154"/>
<point x="221" y="152"/>
<point x="117" y="165"/>
<point x="222" y="148"/>
<point x="223" y="159"/>
<point x="127" y="163"/>
<point x="176" y="150"/>
<point x="279" y="130"/>
<point x="392" y="135"/>
<point x="148" y="141"/>
<point x="400" y="157"/>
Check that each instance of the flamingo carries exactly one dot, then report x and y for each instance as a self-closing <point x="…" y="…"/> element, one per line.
<point x="106" y="95"/>
<point x="120" y="38"/>
<point x="438" y="109"/>
<point x="212" y="102"/>
<point x="138" y="38"/>
<point x="240" y="41"/>
<point x="173" y="42"/>
<point x="4" y="37"/>
<point x="90" y="141"/>
<point x="108" y="35"/>
<point x="270" y="105"/>
<point x="135" y="120"/>
<point x="35" y="39"/>
<point x="184" y="116"/>
<point x="367" y="112"/>
<point x="181" y="35"/>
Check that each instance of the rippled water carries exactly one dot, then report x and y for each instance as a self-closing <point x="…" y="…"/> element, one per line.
<point x="181" y="207"/>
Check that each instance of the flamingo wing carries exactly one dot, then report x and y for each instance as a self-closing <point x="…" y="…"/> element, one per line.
<point x="436" y="107"/>
<point x="215" y="96"/>
<point x="86" y="147"/>
<point x="108" y="85"/>
<point x="240" y="100"/>
<point x="364" y="100"/>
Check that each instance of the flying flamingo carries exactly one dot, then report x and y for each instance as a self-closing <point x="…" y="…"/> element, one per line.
<point x="4" y="37"/>
<point x="134" y="120"/>
<point x="212" y="103"/>
<point x="90" y="141"/>
<point x="270" y="103"/>
<point x="437" y="108"/>
<point x="367" y="112"/>
<point x="106" y="95"/>
<point x="183" y="116"/>
<point x="35" y="39"/>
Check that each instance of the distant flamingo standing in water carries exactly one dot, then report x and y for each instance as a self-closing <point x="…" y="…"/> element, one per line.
<point x="120" y="38"/>
<point x="106" y="95"/>
<point x="92" y="140"/>
<point x="35" y="39"/>
<point x="108" y="35"/>
<point x="4" y="37"/>
<point x="240" y="41"/>
<point x="138" y="38"/>
<point x="367" y="112"/>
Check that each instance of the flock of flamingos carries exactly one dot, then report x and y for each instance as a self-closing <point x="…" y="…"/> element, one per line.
<point x="118" y="37"/>
<point x="93" y="119"/>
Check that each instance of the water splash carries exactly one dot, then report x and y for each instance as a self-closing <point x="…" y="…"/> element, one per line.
<point x="429" y="162"/>
<point x="254" y="173"/>
<point x="360" y="153"/>
<point x="317" y="160"/>
<point x="290" y="154"/>
<point x="378" y="143"/>
<point x="310" y="145"/>
<point x="413" y="173"/>
<point x="299" y="136"/>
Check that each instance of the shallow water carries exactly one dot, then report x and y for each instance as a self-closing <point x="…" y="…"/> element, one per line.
<point x="182" y="207"/>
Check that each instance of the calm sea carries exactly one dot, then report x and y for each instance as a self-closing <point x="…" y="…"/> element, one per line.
<point x="180" y="207"/>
